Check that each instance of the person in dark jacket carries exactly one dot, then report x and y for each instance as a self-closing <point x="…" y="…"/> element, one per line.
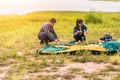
<point x="47" y="33"/>
<point x="79" y="30"/>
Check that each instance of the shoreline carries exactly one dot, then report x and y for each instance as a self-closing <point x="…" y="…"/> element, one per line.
<point x="59" y="11"/>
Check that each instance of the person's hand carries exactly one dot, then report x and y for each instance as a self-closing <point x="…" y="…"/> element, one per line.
<point x="78" y="32"/>
<point x="86" y="32"/>
<point x="57" y="41"/>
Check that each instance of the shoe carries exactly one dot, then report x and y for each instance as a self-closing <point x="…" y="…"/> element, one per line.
<point x="46" y="43"/>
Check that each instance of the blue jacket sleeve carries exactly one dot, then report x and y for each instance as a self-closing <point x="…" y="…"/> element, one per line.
<point x="85" y="28"/>
<point x="75" y="30"/>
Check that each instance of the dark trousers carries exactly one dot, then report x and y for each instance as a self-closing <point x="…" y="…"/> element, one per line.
<point x="43" y="36"/>
<point x="80" y="37"/>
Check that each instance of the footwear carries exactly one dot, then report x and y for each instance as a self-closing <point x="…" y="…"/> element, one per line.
<point x="46" y="43"/>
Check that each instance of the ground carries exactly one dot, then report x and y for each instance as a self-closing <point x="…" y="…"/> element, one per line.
<point x="19" y="43"/>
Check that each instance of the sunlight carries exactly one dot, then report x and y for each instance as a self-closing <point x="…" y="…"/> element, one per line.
<point x="25" y="6"/>
<point x="18" y="2"/>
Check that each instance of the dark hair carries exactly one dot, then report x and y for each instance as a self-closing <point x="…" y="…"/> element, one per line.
<point x="53" y="20"/>
<point x="78" y="21"/>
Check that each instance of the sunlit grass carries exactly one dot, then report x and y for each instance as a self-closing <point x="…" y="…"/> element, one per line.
<point x="19" y="40"/>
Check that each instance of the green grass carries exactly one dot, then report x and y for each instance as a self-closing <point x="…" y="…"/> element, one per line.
<point x="115" y="59"/>
<point x="75" y="70"/>
<point x="89" y="57"/>
<point x="18" y="34"/>
<point x="111" y="68"/>
<point x="116" y="78"/>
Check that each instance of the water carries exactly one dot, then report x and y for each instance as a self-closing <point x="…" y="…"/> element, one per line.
<point x="25" y="6"/>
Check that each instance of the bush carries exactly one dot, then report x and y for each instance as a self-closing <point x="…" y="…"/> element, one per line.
<point x="92" y="18"/>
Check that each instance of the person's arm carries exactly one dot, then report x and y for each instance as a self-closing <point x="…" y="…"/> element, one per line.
<point x="86" y="29"/>
<point x="56" y="37"/>
<point x="54" y="33"/>
<point x="76" y="31"/>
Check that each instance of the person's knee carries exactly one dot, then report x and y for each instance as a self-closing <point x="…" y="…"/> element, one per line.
<point x="84" y="38"/>
<point x="43" y="35"/>
<point x="77" y="38"/>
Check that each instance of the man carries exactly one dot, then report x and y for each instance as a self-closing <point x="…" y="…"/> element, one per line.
<point x="79" y="30"/>
<point x="47" y="33"/>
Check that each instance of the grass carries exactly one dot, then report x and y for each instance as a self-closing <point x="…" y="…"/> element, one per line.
<point x="19" y="41"/>
<point x="90" y="75"/>
<point x="68" y="76"/>
<point x="75" y="70"/>
<point x="116" y="78"/>
<point x="111" y="68"/>
<point x="115" y="59"/>
<point x="89" y="57"/>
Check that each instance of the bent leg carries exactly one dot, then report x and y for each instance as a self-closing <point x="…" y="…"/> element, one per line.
<point x="44" y="37"/>
<point x="77" y="38"/>
<point x="83" y="38"/>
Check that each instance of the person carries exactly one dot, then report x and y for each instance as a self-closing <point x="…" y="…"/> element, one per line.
<point x="79" y="30"/>
<point x="47" y="33"/>
<point x="107" y="37"/>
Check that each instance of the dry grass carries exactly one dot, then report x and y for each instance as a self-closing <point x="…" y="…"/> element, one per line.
<point x="19" y="42"/>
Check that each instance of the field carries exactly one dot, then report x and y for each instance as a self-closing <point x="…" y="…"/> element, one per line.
<point x="19" y="42"/>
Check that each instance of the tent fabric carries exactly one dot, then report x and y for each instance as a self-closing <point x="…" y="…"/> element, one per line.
<point x="55" y="48"/>
<point x="111" y="45"/>
<point x="70" y="47"/>
<point x="51" y="49"/>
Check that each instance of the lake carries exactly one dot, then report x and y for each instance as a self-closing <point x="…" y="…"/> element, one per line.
<point x="25" y="6"/>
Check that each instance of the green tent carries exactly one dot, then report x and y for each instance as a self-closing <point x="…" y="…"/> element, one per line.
<point x="71" y="47"/>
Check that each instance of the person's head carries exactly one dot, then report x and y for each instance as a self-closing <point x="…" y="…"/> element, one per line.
<point x="52" y="21"/>
<point x="79" y="22"/>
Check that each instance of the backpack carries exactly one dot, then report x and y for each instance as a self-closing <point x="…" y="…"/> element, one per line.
<point x="108" y="38"/>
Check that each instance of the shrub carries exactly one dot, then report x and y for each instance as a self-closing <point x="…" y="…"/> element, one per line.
<point x="92" y="18"/>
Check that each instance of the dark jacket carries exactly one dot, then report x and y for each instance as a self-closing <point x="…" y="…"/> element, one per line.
<point x="83" y="28"/>
<point x="49" y="30"/>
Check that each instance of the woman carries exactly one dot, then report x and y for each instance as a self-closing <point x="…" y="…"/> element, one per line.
<point x="79" y="30"/>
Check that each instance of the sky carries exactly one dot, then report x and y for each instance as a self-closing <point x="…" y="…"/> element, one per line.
<point x="24" y="6"/>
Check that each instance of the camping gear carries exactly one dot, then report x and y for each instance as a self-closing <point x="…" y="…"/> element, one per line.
<point x="108" y="38"/>
<point x="72" y="47"/>
<point x="111" y="45"/>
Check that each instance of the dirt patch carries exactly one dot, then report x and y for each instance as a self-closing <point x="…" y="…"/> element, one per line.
<point x="79" y="77"/>
<point x="60" y="73"/>
<point x="88" y="67"/>
<point x="4" y="70"/>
